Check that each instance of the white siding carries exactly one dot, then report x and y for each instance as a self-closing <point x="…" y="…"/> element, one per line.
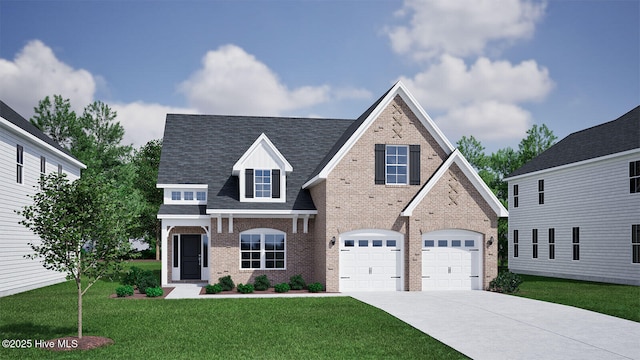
<point x="17" y="273"/>
<point x="593" y="196"/>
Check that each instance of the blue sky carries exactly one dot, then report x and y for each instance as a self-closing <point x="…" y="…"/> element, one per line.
<point x="489" y="69"/>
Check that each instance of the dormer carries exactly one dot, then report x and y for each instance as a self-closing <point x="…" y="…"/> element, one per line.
<point x="262" y="171"/>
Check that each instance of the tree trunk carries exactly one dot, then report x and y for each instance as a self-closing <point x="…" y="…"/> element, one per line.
<point x="79" y="308"/>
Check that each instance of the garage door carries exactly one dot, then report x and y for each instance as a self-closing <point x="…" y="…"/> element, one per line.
<point x="451" y="260"/>
<point x="371" y="260"/>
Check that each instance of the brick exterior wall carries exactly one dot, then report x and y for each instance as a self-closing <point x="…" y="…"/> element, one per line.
<point x="225" y="251"/>
<point x="353" y="201"/>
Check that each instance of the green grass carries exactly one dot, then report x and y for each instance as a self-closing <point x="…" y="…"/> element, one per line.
<point x="310" y="328"/>
<point x="616" y="300"/>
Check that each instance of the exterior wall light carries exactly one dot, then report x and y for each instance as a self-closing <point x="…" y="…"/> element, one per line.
<point x="490" y="242"/>
<point x="333" y="241"/>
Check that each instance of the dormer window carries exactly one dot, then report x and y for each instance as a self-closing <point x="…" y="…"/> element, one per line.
<point x="262" y="172"/>
<point x="262" y="181"/>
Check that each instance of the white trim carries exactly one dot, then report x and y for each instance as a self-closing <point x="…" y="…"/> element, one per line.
<point x="182" y="217"/>
<point x="183" y="186"/>
<point x="398" y="89"/>
<point x="457" y="158"/>
<point x="262" y="232"/>
<point x="578" y="163"/>
<point x="40" y="142"/>
<point x="239" y="165"/>
<point x="253" y="212"/>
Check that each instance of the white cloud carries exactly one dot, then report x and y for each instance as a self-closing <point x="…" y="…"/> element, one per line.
<point x="460" y="28"/>
<point x="231" y="81"/>
<point x="485" y="120"/>
<point x="35" y="73"/>
<point x="451" y="83"/>
<point x="143" y="122"/>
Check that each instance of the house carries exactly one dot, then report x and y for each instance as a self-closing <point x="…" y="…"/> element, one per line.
<point x="575" y="209"/>
<point x="25" y="154"/>
<point x="382" y="202"/>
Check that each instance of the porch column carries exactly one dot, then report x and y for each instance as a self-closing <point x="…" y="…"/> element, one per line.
<point x="164" y="273"/>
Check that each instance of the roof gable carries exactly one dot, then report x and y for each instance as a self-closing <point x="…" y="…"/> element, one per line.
<point x="360" y="126"/>
<point x="457" y="158"/>
<point x="262" y="149"/>
<point x="617" y="136"/>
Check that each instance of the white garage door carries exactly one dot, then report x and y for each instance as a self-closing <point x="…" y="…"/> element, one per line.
<point x="371" y="260"/>
<point x="451" y="260"/>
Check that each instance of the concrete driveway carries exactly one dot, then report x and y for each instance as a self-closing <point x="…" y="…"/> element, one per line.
<point x="485" y="325"/>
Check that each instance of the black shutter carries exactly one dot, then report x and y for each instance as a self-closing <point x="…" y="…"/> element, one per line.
<point x="248" y="183"/>
<point x="414" y="164"/>
<point x="380" y="161"/>
<point x="275" y="183"/>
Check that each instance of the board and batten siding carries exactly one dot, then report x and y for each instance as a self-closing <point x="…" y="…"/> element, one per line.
<point x="18" y="273"/>
<point x="593" y="196"/>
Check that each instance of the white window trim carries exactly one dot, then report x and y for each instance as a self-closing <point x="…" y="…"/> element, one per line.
<point x="405" y="165"/>
<point x="262" y="232"/>
<point x="168" y="198"/>
<point x="255" y="183"/>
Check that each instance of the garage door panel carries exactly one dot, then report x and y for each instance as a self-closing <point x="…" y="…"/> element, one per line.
<point x="449" y="260"/>
<point x="376" y="262"/>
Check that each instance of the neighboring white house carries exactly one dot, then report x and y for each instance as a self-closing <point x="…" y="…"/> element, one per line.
<point x="575" y="209"/>
<point x="25" y="154"/>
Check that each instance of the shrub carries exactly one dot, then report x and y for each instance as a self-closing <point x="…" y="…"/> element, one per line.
<point x="154" y="291"/>
<point x="132" y="276"/>
<point x="262" y="283"/>
<point x="315" y="287"/>
<point x="124" y="290"/>
<point x="213" y="289"/>
<point x="226" y="283"/>
<point x="148" y="280"/>
<point x="245" y="289"/>
<point x="282" y="288"/>
<point x="506" y="282"/>
<point x="296" y="282"/>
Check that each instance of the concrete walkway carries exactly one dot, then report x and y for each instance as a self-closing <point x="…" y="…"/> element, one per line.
<point x="485" y="325"/>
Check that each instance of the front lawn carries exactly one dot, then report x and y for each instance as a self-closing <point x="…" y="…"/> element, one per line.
<point x="616" y="300"/>
<point x="332" y="327"/>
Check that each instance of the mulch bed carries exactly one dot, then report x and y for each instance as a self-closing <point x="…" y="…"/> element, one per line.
<point x="203" y="291"/>
<point x="139" y="295"/>
<point x="69" y="343"/>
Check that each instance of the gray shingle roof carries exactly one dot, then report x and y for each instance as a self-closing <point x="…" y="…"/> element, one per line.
<point x="202" y="149"/>
<point x="19" y="121"/>
<point x="613" y="137"/>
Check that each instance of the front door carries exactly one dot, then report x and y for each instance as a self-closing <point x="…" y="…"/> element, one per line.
<point x="190" y="249"/>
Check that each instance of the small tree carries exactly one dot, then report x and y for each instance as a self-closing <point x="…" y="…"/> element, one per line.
<point x="83" y="229"/>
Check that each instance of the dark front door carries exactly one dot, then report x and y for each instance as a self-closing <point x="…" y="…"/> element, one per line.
<point x="190" y="260"/>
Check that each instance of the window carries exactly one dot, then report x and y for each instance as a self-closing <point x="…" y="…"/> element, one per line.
<point x="43" y="165"/>
<point x="376" y="243"/>
<point x="205" y="251"/>
<point x="534" y="243"/>
<point x="576" y="243"/>
<point x="188" y="195"/>
<point x="263" y="249"/>
<point x="469" y="243"/>
<point x="635" y="243"/>
<point x="540" y="191"/>
<point x="19" y="163"/>
<point x="396" y="164"/>
<point x="429" y="243"/>
<point x="443" y="243"/>
<point x="201" y="196"/>
<point x="515" y="243"/>
<point x="175" y="195"/>
<point x="634" y="177"/>
<point x="552" y="244"/>
<point x="515" y="195"/>
<point x="391" y="243"/>
<point x="363" y="243"/>
<point x="262" y="183"/>
<point x="456" y="243"/>
<point x="349" y="243"/>
<point x="176" y="258"/>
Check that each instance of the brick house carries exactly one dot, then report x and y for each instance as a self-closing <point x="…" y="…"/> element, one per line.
<point x="382" y="202"/>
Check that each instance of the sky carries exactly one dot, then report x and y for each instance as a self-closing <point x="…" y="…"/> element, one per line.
<point x="491" y="69"/>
